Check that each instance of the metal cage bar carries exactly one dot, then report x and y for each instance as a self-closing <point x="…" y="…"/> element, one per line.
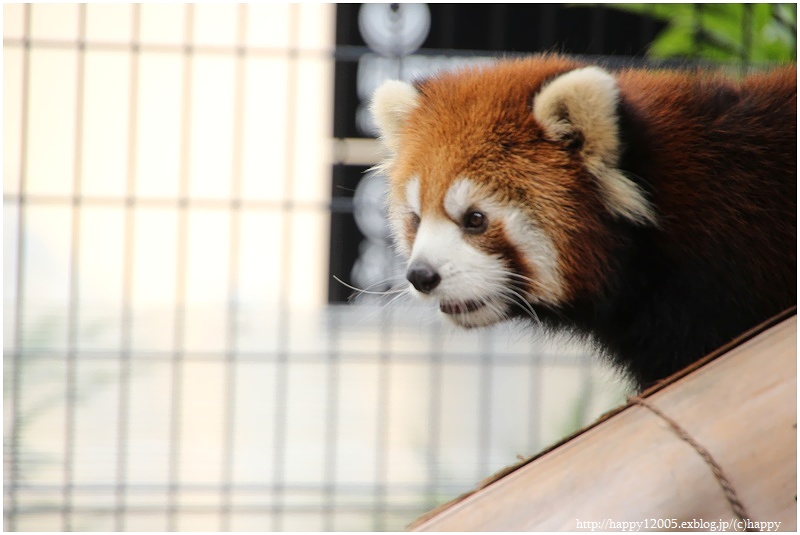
<point x="406" y="359"/>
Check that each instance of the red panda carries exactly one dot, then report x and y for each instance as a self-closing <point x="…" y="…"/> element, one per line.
<point x="653" y="211"/>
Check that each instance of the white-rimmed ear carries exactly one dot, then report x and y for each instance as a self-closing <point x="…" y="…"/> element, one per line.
<point x="391" y="103"/>
<point x="582" y="105"/>
<point x="582" y="102"/>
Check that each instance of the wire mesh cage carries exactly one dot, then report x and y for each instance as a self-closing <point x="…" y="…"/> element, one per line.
<point x="177" y="352"/>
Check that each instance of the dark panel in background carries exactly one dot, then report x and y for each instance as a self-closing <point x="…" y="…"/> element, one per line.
<point x="521" y="28"/>
<point x="345" y="235"/>
<point x="448" y="30"/>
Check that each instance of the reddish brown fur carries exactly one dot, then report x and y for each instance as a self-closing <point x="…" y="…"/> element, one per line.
<point x="466" y="127"/>
<point x="705" y="172"/>
<point x="478" y="124"/>
<point x="718" y="161"/>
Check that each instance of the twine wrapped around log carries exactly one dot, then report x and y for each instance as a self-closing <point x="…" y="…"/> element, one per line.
<point x="715" y="443"/>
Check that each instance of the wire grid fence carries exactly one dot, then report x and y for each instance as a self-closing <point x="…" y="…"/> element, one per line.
<point x="170" y="359"/>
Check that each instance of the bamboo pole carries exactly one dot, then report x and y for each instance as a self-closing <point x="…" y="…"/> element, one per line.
<point x="635" y="467"/>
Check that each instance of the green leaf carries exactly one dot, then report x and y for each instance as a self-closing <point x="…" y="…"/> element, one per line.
<point x="749" y="32"/>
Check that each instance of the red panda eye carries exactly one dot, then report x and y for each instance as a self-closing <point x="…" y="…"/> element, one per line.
<point x="414" y="221"/>
<point x="475" y="222"/>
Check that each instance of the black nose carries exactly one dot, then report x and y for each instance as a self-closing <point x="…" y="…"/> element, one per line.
<point x="423" y="277"/>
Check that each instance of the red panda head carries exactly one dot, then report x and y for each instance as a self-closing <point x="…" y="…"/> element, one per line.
<point x="503" y="181"/>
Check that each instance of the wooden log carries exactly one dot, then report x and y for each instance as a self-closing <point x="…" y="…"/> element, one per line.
<point x="634" y="467"/>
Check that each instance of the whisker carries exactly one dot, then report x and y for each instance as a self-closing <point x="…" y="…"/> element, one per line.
<point x="519" y="299"/>
<point x="384" y="304"/>
<point x="519" y="277"/>
<point x="370" y="292"/>
<point x="497" y="309"/>
<point x="398" y="295"/>
<point x="514" y="296"/>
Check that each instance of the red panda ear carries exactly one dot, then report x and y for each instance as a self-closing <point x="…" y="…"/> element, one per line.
<point x="391" y="103"/>
<point x="582" y="104"/>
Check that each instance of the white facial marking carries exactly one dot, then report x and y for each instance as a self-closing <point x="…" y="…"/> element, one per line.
<point x="467" y="274"/>
<point x="459" y="198"/>
<point x="538" y="249"/>
<point x="412" y="196"/>
<point x="476" y="282"/>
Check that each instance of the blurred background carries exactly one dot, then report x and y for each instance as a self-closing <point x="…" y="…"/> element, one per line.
<point x="185" y="186"/>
